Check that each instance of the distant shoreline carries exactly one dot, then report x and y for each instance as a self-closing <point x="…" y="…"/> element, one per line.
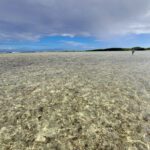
<point x="120" y="49"/>
<point x="92" y="50"/>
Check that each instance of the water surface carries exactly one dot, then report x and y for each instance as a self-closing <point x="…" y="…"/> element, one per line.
<point x="80" y="100"/>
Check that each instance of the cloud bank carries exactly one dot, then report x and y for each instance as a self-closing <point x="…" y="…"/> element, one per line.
<point x="34" y="19"/>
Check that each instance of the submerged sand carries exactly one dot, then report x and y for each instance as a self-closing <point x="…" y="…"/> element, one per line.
<point x="75" y="101"/>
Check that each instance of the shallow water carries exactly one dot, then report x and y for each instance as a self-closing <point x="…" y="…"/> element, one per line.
<point x="80" y="100"/>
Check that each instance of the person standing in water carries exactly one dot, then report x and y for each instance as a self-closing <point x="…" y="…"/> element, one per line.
<point x="133" y="51"/>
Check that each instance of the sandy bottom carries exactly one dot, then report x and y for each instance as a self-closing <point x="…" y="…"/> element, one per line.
<point x="75" y="101"/>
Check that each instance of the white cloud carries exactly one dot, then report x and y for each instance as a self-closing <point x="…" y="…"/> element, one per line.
<point x="32" y="19"/>
<point x="73" y="43"/>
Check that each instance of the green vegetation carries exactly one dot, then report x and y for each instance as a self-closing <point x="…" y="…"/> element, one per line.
<point x="121" y="49"/>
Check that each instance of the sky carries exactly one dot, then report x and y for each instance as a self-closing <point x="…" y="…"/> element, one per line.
<point x="74" y="24"/>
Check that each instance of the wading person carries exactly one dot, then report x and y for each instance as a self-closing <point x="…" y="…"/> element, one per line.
<point x="133" y="51"/>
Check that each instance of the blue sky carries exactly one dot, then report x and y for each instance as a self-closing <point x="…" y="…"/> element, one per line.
<point x="77" y="43"/>
<point x="74" y="24"/>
